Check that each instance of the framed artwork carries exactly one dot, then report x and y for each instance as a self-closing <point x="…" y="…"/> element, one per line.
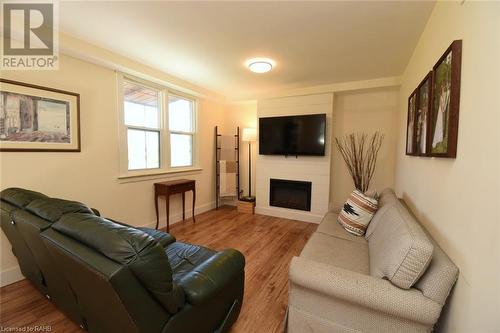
<point x="446" y="103"/>
<point x="410" y="126"/>
<point x="38" y="119"/>
<point x="422" y="115"/>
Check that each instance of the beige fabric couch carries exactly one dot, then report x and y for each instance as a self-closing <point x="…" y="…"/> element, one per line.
<point x="395" y="279"/>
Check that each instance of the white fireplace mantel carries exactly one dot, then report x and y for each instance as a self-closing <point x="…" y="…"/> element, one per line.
<point x="315" y="169"/>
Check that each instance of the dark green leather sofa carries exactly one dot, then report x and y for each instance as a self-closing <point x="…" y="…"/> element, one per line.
<point x="110" y="277"/>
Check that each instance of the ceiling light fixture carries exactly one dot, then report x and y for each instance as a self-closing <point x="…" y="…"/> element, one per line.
<point x="260" y="65"/>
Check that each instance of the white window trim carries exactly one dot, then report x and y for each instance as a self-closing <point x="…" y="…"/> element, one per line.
<point x="164" y="168"/>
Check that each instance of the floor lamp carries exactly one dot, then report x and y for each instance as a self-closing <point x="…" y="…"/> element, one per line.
<point x="249" y="135"/>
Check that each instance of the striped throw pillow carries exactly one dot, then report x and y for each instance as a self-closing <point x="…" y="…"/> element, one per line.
<point x="357" y="213"/>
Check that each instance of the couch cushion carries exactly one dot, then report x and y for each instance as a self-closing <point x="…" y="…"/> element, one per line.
<point x="20" y="197"/>
<point x="7" y="208"/>
<point x="399" y="249"/>
<point x="338" y="252"/>
<point x="330" y="226"/>
<point x="184" y="257"/>
<point x="440" y="276"/>
<point x="130" y="247"/>
<point x="357" y="213"/>
<point x="52" y="209"/>
<point x="386" y="198"/>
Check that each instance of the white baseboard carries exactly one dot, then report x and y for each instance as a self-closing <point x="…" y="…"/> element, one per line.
<point x="10" y="275"/>
<point x="290" y="214"/>
<point x="228" y="202"/>
<point x="13" y="274"/>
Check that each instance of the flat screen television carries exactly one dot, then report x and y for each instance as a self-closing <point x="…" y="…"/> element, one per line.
<point x="292" y="135"/>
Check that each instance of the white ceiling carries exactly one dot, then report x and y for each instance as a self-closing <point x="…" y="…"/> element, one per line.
<point x="207" y="43"/>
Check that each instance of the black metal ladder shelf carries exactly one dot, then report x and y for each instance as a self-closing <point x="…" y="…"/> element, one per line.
<point x="217" y="164"/>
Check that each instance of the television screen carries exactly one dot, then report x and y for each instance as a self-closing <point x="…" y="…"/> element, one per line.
<point x="292" y="135"/>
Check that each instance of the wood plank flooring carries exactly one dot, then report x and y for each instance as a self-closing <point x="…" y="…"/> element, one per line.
<point x="268" y="244"/>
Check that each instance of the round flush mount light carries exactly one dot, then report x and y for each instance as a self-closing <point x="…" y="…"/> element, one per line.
<point x="260" y="65"/>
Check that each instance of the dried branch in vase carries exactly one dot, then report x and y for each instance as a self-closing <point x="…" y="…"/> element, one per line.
<point x="360" y="154"/>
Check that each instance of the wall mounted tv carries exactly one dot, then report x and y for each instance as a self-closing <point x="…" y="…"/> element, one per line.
<point x="292" y="135"/>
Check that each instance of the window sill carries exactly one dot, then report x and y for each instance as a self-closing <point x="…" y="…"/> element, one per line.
<point x="155" y="174"/>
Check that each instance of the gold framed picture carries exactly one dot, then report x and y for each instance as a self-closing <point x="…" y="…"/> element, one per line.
<point x="38" y="119"/>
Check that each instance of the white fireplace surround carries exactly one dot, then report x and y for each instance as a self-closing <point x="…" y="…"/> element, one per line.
<point x="315" y="169"/>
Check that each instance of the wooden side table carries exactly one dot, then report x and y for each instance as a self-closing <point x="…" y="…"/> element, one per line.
<point x="174" y="187"/>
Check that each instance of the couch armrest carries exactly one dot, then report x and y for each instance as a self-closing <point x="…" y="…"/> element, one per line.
<point x="211" y="276"/>
<point x="365" y="290"/>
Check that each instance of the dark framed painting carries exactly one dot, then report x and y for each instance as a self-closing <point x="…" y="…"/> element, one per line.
<point x="446" y="103"/>
<point x="422" y="115"/>
<point x="410" y="125"/>
<point x="38" y="119"/>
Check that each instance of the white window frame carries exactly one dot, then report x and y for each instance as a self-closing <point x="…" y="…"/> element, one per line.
<point x="165" y="167"/>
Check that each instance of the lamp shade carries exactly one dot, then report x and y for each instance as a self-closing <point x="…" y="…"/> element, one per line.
<point x="249" y="135"/>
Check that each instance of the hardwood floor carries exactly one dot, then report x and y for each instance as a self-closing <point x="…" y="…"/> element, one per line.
<point x="268" y="244"/>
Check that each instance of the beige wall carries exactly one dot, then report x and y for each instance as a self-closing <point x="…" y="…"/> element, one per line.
<point x="364" y="111"/>
<point x="458" y="199"/>
<point x="91" y="175"/>
<point x="243" y="114"/>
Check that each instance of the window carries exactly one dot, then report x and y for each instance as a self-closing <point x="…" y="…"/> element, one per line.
<point x="158" y="129"/>
<point x="181" y="127"/>
<point x="141" y="108"/>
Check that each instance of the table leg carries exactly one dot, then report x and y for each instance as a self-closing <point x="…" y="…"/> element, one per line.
<point x="156" y="209"/>
<point x="183" y="205"/>
<point x="167" y="199"/>
<point x="194" y="200"/>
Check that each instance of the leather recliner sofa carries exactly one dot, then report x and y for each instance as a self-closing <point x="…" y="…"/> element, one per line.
<point x="110" y="277"/>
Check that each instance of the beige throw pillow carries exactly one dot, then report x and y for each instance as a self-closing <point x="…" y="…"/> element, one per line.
<point x="357" y="213"/>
